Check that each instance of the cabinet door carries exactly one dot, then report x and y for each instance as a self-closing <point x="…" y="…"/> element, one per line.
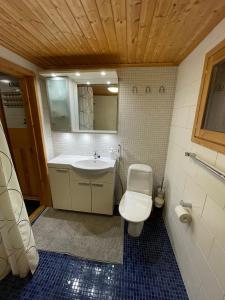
<point x="102" y="198"/>
<point x="60" y="187"/>
<point x="80" y="193"/>
<point x="58" y="98"/>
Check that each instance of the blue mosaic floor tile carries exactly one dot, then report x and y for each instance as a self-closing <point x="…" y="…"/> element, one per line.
<point x="149" y="271"/>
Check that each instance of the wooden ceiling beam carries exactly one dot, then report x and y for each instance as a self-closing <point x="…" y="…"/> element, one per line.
<point x="10" y="68"/>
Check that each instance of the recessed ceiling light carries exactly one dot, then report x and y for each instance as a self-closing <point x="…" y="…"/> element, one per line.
<point x="53" y="75"/>
<point x="88" y="82"/>
<point x="108" y="82"/>
<point x="77" y="74"/>
<point x="113" y="89"/>
<point x="103" y="73"/>
<point x="5" y="80"/>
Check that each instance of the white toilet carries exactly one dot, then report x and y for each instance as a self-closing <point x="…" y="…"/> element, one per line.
<point x="136" y="204"/>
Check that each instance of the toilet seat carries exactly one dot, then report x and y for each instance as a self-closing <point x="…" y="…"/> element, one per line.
<point x="135" y="207"/>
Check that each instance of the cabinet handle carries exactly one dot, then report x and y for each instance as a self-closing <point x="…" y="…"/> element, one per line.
<point x="97" y="184"/>
<point x="84" y="183"/>
<point x="62" y="170"/>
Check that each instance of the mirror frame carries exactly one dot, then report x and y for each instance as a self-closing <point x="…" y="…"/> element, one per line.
<point x="210" y="139"/>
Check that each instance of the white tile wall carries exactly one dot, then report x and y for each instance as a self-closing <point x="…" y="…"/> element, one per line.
<point x="144" y="121"/>
<point x="199" y="247"/>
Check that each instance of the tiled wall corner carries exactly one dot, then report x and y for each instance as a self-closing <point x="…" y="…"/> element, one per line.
<point x="199" y="247"/>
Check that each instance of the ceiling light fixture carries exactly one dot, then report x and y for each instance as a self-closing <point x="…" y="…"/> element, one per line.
<point x="103" y="73"/>
<point x="77" y="74"/>
<point x="113" y="89"/>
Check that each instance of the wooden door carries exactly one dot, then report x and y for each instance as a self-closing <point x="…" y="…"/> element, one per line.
<point x="25" y="161"/>
<point x="29" y="88"/>
<point x="13" y="117"/>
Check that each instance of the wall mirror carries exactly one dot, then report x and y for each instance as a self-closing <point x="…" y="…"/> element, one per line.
<point x="82" y="101"/>
<point x="209" y="126"/>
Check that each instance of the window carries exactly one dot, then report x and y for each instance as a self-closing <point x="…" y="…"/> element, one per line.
<point x="209" y="126"/>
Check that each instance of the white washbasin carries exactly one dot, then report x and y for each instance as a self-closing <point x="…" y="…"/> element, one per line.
<point x="92" y="165"/>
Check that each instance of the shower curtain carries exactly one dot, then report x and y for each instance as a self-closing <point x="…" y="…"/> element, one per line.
<point x="86" y="108"/>
<point x="18" y="252"/>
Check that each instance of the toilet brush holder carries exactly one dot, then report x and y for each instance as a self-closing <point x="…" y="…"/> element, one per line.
<point x="159" y="199"/>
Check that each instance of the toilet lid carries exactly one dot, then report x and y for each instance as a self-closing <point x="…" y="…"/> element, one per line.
<point x="135" y="207"/>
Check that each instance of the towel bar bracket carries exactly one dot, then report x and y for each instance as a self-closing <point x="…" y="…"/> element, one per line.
<point x="185" y="204"/>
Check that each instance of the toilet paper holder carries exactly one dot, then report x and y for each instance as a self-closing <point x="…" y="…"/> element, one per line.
<point x="185" y="204"/>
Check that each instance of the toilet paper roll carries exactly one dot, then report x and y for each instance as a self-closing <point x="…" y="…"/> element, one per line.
<point x="183" y="215"/>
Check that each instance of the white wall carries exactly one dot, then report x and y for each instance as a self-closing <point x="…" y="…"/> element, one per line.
<point x="199" y="247"/>
<point x="13" y="57"/>
<point x="144" y="121"/>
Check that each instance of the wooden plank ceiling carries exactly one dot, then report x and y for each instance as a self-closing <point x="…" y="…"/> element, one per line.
<point x="65" y="33"/>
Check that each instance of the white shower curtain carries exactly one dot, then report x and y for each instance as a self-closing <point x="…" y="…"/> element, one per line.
<point x="18" y="252"/>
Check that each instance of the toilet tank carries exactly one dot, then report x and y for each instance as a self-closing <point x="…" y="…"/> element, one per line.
<point x="140" y="179"/>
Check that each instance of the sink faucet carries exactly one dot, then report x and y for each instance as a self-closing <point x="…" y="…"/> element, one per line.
<point x="95" y="155"/>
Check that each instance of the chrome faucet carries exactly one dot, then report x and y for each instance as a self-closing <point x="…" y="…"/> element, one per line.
<point x="95" y="155"/>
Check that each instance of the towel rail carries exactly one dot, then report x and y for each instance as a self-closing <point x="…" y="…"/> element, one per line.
<point x="212" y="169"/>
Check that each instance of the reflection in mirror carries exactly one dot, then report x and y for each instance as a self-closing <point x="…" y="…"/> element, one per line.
<point x="88" y="102"/>
<point x="214" y="116"/>
<point x="97" y="108"/>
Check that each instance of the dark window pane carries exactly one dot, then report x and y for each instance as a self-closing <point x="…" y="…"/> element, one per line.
<point x="214" y="118"/>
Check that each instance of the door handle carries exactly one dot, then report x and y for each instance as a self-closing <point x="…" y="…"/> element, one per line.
<point x="84" y="183"/>
<point x="97" y="184"/>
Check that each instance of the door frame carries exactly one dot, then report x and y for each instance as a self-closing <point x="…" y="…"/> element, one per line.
<point x="29" y="87"/>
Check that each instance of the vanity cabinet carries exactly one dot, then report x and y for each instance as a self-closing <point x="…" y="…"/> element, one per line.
<point x="78" y="191"/>
<point x="60" y="188"/>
